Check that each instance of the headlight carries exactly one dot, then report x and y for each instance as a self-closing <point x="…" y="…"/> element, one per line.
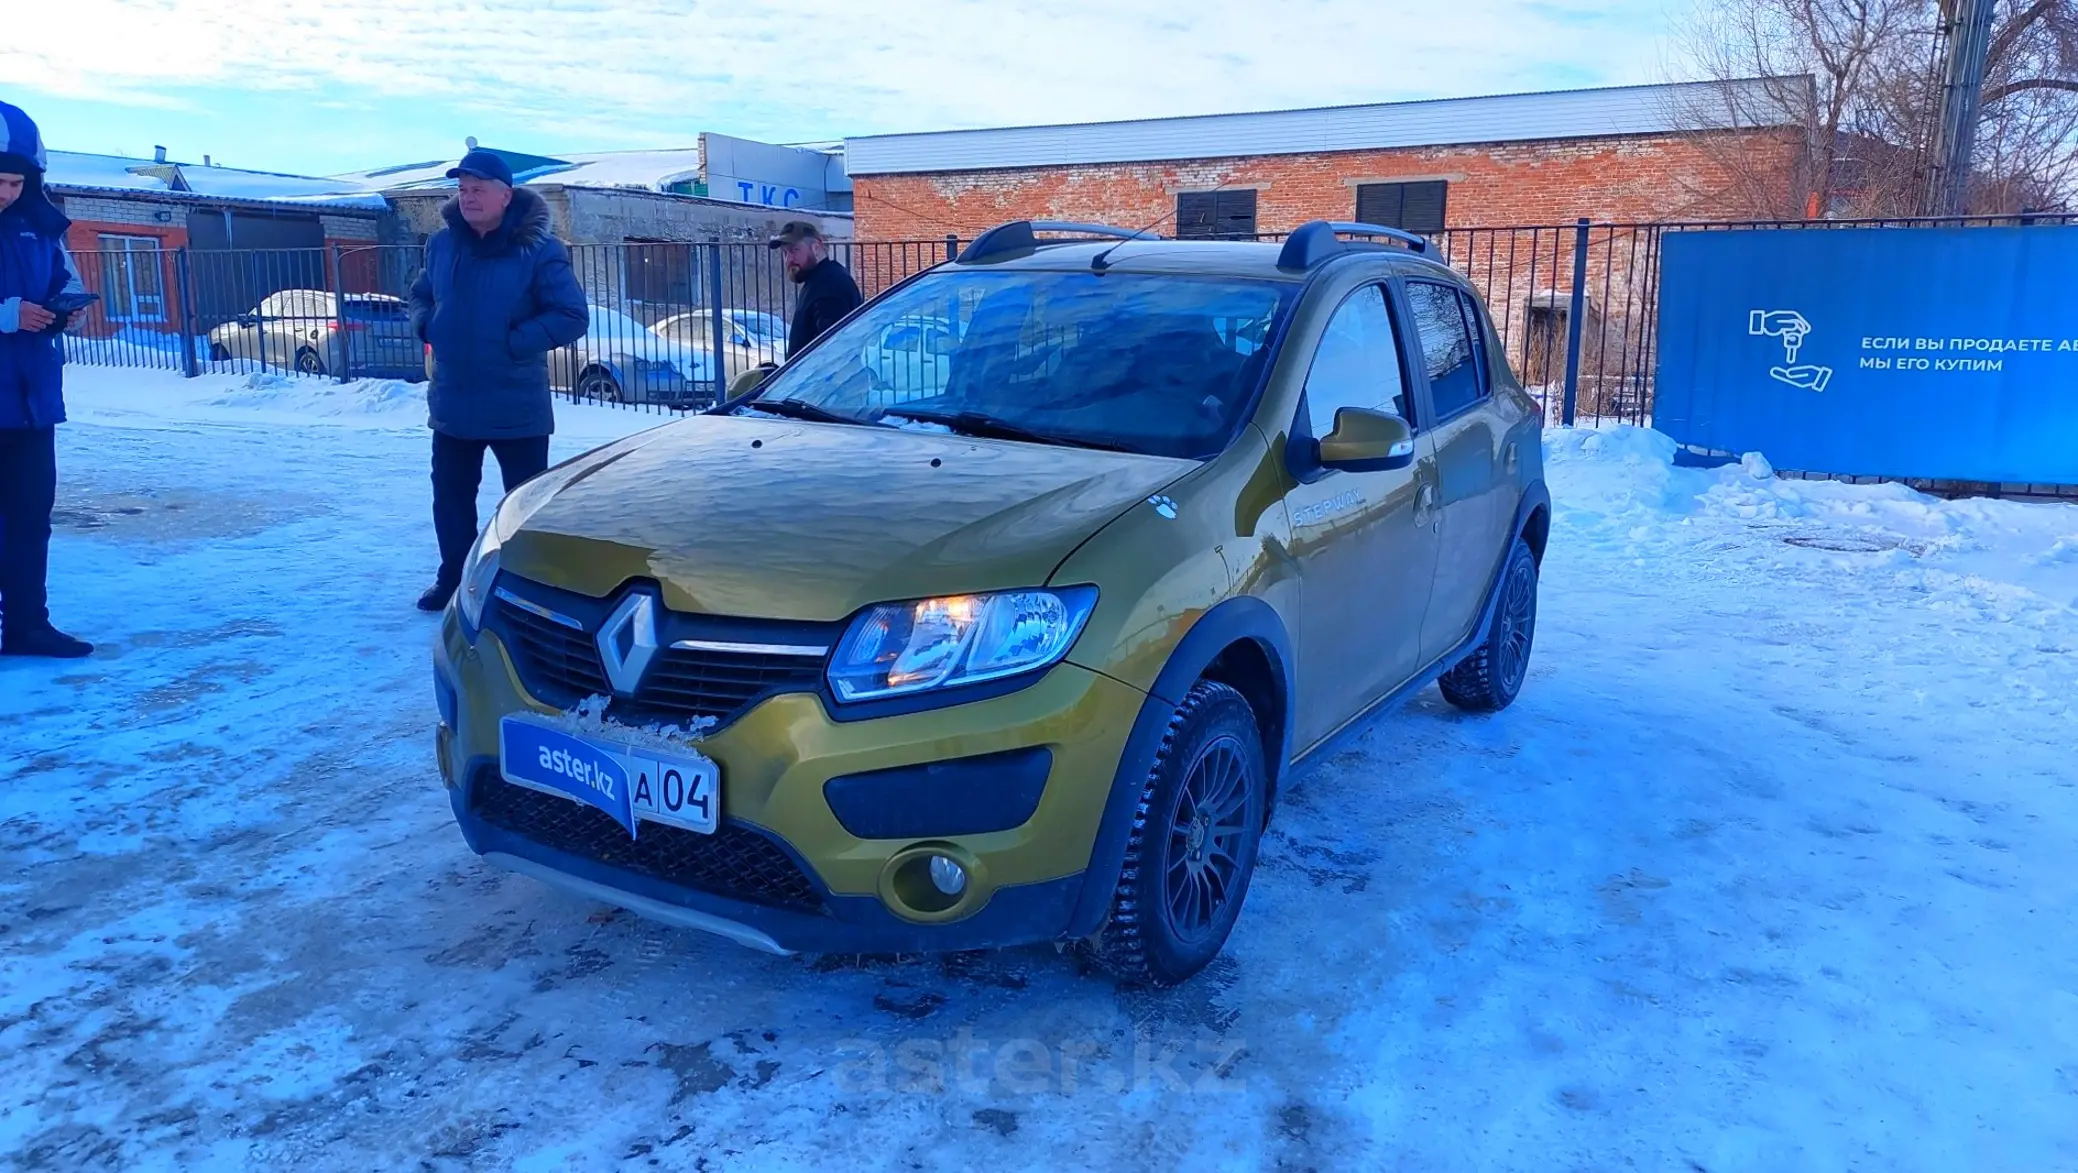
<point x="480" y="568"/>
<point x="901" y="648"/>
<point x="479" y="571"/>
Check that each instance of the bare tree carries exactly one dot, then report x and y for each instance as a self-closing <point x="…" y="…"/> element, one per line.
<point x="1804" y="64"/>
<point x="1860" y="81"/>
<point x="2028" y="154"/>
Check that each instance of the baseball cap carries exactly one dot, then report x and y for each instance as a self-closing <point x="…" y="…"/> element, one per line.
<point x="794" y="232"/>
<point x="482" y="164"/>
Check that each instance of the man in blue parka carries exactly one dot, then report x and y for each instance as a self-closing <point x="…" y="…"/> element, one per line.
<point x="496" y="296"/>
<point x="35" y="270"/>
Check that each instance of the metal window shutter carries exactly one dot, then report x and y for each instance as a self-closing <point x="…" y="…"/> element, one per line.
<point x="1379" y="203"/>
<point x="1422" y="206"/>
<point x="1215" y="213"/>
<point x="1236" y="212"/>
<point x="1416" y="207"/>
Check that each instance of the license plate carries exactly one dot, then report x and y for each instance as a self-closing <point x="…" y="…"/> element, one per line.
<point x="634" y="784"/>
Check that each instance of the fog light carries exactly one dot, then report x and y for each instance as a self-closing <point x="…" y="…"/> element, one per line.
<point x="947" y="875"/>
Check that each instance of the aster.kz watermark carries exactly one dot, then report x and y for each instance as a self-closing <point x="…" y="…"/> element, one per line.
<point x="970" y="1064"/>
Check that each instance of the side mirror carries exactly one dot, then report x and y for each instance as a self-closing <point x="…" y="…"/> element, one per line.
<point x="747" y="382"/>
<point x="1365" y="440"/>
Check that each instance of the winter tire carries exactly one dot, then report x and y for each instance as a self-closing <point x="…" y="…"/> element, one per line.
<point x="598" y="386"/>
<point x="218" y="352"/>
<point x="1488" y="680"/>
<point x="1193" y="848"/>
<point x="308" y="363"/>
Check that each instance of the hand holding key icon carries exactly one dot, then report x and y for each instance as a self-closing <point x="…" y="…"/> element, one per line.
<point x="1791" y="327"/>
<point x="1788" y="325"/>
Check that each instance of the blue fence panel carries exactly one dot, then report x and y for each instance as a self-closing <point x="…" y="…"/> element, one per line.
<point x="1936" y="353"/>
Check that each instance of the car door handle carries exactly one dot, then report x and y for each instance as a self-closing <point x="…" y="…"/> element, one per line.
<point x="1425" y="505"/>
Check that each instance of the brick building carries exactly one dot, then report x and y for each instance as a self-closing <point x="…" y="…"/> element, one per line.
<point x="1629" y="154"/>
<point x="131" y="216"/>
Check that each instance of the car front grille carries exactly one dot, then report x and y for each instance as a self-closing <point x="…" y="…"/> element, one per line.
<point x="717" y="684"/>
<point x="735" y="862"/>
<point x="560" y="665"/>
<point x="555" y="662"/>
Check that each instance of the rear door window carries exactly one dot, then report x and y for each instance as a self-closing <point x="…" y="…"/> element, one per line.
<point x="376" y="310"/>
<point x="1456" y="366"/>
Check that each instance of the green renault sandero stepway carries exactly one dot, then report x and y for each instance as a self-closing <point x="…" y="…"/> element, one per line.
<point x="1002" y="613"/>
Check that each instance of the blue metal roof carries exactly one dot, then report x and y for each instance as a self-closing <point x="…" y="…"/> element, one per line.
<point x="1566" y="114"/>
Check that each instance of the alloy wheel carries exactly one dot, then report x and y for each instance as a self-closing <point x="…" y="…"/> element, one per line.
<point x="1518" y="624"/>
<point x="1206" y="832"/>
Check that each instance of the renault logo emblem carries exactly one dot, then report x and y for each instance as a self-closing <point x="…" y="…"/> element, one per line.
<point x="628" y="642"/>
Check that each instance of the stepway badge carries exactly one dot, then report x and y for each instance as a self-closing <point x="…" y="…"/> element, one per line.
<point x="569" y="765"/>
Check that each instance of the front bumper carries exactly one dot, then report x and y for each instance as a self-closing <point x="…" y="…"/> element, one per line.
<point x="1024" y="882"/>
<point x="670" y="387"/>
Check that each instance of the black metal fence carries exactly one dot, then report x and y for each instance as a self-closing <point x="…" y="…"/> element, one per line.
<point x="673" y="325"/>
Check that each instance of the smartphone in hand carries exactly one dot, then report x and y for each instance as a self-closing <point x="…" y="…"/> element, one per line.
<point x="71" y="303"/>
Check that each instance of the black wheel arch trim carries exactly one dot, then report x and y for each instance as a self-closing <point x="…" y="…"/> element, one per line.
<point x="1238" y="620"/>
<point x="1534" y="497"/>
<point x="602" y="366"/>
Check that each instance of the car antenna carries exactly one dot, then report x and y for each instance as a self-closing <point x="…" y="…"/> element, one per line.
<point x="1099" y="263"/>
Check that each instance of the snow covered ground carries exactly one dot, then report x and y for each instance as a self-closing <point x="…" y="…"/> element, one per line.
<point x="1771" y="868"/>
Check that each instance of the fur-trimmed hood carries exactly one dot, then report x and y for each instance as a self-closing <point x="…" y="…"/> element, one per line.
<point x="526" y="225"/>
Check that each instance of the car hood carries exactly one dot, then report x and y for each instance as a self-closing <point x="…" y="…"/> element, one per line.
<point x="781" y="519"/>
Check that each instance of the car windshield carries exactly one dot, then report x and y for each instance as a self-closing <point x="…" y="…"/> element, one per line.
<point x="1158" y="364"/>
<point x="762" y="326"/>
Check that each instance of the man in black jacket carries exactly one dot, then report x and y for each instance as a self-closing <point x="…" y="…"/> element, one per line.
<point x="827" y="290"/>
<point x="497" y="294"/>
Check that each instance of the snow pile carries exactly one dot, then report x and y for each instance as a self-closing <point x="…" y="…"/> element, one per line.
<point x="589" y="718"/>
<point x="326" y="399"/>
<point x="157" y="398"/>
<point x="2063" y="553"/>
<point x="1620" y="485"/>
<point x="1616" y="472"/>
<point x="132" y="348"/>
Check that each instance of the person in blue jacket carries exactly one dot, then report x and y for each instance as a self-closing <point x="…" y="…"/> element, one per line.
<point x="497" y="294"/>
<point x="35" y="269"/>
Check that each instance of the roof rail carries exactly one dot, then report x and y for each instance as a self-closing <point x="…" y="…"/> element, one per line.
<point x="1318" y="240"/>
<point x="1022" y="236"/>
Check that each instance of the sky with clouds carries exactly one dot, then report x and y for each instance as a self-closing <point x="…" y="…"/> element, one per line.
<point x="339" y="85"/>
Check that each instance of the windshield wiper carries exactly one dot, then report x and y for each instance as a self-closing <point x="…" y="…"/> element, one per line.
<point x="801" y="409"/>
<point x="974" y="423"/>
